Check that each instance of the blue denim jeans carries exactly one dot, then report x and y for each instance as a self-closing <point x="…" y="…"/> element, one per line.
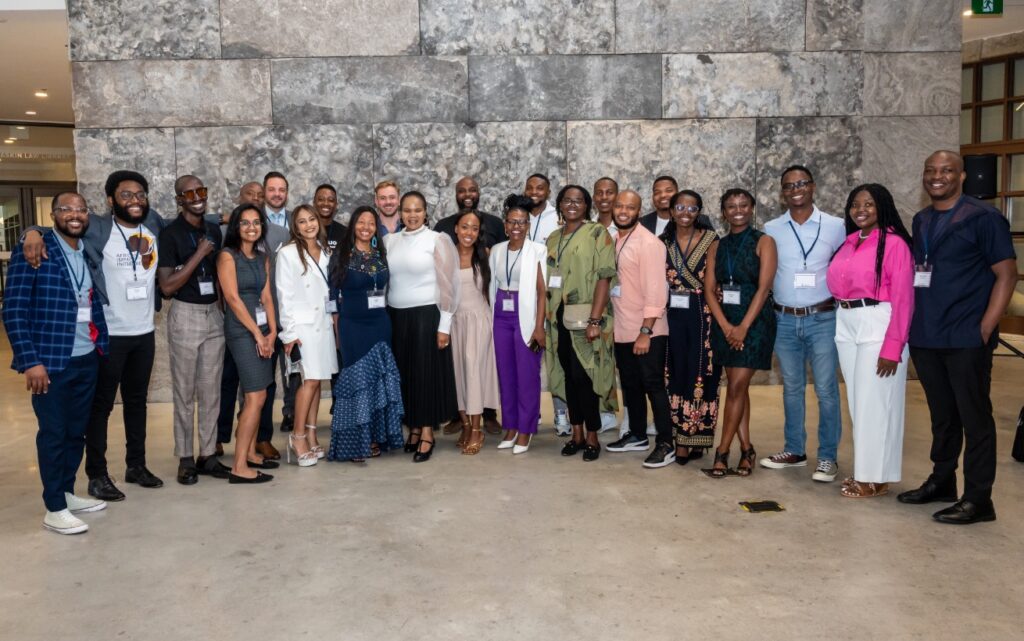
<point x="799" y="340"/>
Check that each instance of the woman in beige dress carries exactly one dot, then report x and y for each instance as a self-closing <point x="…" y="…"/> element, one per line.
<point x="476" y="378"/>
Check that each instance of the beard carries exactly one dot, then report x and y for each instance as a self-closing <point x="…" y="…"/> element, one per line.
<point x="121" y="213"/>
<point x="63" y="229"/>
<point x="471" y="207"/>
<point x="629" y="225"/>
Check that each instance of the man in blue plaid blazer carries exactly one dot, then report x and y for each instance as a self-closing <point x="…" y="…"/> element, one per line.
<point x="57" y="331"/>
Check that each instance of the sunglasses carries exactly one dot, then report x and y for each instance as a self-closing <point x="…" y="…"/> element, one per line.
<point x="198" y="193"/>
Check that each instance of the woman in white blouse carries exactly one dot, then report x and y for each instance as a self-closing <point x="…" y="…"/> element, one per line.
<point x="518" y="305"/>
<point x="303" y="296"/>
<point x="423" y="295"/>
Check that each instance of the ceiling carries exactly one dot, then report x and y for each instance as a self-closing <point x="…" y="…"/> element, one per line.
<point x="1011" y="21"/>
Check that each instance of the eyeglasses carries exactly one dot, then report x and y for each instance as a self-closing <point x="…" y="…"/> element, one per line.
<point x="250" y="223"/>
<point x="129" y="196"/>
<point x="70" y="210"/>
<point x="573" y="201"/>
<point x="199" y="193"/>
<point x="689" y="209"/>
<point x="517" y="223"/>
<point x="800" y="184"/>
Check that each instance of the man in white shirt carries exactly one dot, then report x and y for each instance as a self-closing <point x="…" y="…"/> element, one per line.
<point x="275" y="195"/>
<point x="385" y="199"/>
<point x="543" y="217"/>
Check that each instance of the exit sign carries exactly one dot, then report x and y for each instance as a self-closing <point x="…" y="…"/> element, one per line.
<point x="987" y="7"/>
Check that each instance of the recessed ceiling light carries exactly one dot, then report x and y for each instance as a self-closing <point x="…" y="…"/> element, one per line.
<point x="41" y="93"/>
<point x="30" y="113"/>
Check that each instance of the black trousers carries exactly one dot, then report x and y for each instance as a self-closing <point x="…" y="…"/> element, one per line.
<point x="641" y="378"/>
<point x="228" y="398"/>
<point x="583" y="403"/>
<point x="956" y="384"/>
<point x="127" y="367"/>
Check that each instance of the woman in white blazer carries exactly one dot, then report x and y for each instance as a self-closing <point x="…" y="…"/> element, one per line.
<point x="518" y="305"/>
<point x="303" y="296"/>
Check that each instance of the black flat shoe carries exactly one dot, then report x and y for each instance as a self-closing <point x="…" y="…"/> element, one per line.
<point x="695" y="453"/>
<point x="141" y="476"/>
<point x="929" y="492"/>
<point x="591" y="452"/>
<point x="265" y="465"/>
<point x="410" y="447"/>
<point x="103" y="488"/>
<point x="259" y="478"/>
<point x="571" y="448"/>
<point x="420" y="457"/>
<point x="187" y="475"/>
<point x="210" y="466"/>
<point x="966" y="513"/>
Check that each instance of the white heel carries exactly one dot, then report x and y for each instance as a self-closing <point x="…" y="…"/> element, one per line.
<point x="307" y="459"/>
<point x="519" y="449"/>
<point x="507" y="445"/>
<point x="318" y="449"/>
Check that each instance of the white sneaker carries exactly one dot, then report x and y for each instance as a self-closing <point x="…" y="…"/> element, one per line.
<point x="624" y="425"/>
<point x="77" y="504"/>
<point x="64" y="522"/>
<point x="562" y="426"/>
<point x="608" y="421"/>
<point x="651" y="430"/>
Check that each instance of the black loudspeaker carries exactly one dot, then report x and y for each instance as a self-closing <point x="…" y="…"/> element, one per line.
<point x="981" y="176"/>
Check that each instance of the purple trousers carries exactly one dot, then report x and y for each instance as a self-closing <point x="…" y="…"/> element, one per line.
<point x="518" y="369"/>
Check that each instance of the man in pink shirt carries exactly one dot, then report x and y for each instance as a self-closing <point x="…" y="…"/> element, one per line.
<point x="639" y="297"/>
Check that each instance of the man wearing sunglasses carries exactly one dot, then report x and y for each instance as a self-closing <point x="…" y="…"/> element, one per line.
<point x="187" y="272"/>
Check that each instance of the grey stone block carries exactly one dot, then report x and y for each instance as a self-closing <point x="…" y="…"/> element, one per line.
<point x="128" y="29"/>
<point x="708" y="156"/>
<point x="731" y="85"/>
<point x="483" y="27"/>
<point x="162" y="93"/>
<point x="300" y="28"/>
<point x="675" y="26"/>
<point x="564" y="87"/>
<point x="386" y="89"/>
<point x="431" y="158"/>
<point x="830" y="147"/>
<point x="835" y="25"/>
<point x="911" y="84"/>
<point x="225" y="158"/>
<point x="994" y="47"/>
<point x="99" y="152"/>
<point x="895" y="149"/>
<point x="912" y="25"/>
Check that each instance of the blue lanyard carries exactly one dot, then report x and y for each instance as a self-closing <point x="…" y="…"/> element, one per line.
<point x="74" y="276"/>
<point x="195" y="247"/>
<point x="535" y="230"/>
<point x="728" y="254"/>
<point x="134" y="256"/>
<point x="510" y="268"/>
<point x="807" y="252"/>
<point x="322" y="274"/>
<point x="936" y="224"/>
<point x="623" y="247"/>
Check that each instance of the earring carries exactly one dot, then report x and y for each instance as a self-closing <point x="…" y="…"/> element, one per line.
<point x="373" y="242"/>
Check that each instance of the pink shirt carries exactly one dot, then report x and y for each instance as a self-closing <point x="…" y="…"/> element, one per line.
<point x="851" y="275"/>
<point x="643" y="290"/>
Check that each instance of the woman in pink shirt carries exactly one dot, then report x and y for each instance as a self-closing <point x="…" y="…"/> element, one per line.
<point x="872" y="278"/>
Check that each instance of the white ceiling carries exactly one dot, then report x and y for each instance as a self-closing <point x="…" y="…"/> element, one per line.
<point x="1011" y="21"/>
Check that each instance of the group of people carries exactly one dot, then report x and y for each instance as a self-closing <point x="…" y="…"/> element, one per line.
<point x="423" y="327"/>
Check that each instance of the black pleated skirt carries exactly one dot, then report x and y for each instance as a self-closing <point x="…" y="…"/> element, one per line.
<point x="428" y="374"/>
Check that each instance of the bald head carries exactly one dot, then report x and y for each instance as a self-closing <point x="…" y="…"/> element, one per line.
<point x="626" y="211"/>
<point x="943" y="178"/>
<point x="251" y="194"/>
<point x="467" y="194"/>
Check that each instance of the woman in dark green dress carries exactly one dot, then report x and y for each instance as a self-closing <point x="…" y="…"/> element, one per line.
<point x="742" y="269"/>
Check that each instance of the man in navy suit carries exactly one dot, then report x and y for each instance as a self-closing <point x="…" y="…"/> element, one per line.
<point x="54" y="319"/>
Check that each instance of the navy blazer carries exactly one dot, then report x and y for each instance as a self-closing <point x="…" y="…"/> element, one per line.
<point x="40" y="311"/>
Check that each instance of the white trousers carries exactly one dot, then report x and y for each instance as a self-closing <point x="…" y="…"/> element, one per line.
<point x="876" y="404"/>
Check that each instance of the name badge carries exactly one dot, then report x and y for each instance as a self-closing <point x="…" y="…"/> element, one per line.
<point x="679" y="301"/>
<point x="508" y="305"/>
<point x="206" y="288"/>
<point x="554" y="280"/>
<point x="922" y="275"/>
<point x="331" y="306"/>
<point x="616" y="291"/>
<point x="731" y="294"/>
<point x="375" y="299"/>
<point x="261" y="315"/>
<point x="805" y="280"/>
<point x="84" y="313"/>
<point x="136" y="292"/>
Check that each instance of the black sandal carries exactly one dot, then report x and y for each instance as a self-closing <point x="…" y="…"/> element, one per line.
<point x="748" y="457"/>
<point x="716" y="472"/>
<point x="410" y="447"/>
<point x="420" y="457"/>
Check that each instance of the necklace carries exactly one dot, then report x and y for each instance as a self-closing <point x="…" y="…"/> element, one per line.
<point x="862" y="236"/>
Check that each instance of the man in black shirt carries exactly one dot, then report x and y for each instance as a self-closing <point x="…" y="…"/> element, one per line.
<point x="325" y="201"/>
<point x="187" y="272"/>
<point x="467" y="198"/>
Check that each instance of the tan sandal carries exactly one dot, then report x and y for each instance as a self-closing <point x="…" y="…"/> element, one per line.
<point x="464" y="437"/>
<point x="471" y="447"/>
<point x="858" y="490"/>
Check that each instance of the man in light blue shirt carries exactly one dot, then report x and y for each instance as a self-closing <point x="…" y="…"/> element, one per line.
<point x="806" y="238"/>
<point x="275" y="198"/>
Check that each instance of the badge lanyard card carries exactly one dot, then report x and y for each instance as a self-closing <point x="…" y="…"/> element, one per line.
<point x="375" y="298"/>
<point x="84" y="314"/>
<point x="805" y="279"/>
<point x="923" y="271"/>
<point x="555" y="275"/>
<point x="205" y="282"/>
<point x="681" y="300"/>
<point x="731" y="291"/>
<point x="616" y="291"/>
<point x="330" y="305"/>
<point x="133" y="292"/>
<point x="509" y="304"/>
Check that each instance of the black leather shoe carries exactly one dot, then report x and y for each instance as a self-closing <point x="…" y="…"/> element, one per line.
<point x="103" y="488"/>
<point x="187" y="475"/>
<point x="591" y="452"/>
<point x="287" y="425"/>
<point x="210" y="466"/>
<point x="571" y="448"/>
<point x="929" y="492"/>
<point x="267" y="464"/>
<point x="695" y="453"/>
<point x="966" y="512"/>
<point x="142" y="476"/>
<point x="259" y="478"/>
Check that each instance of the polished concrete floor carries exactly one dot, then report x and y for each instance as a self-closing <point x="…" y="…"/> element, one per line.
<point x="496" y="547"/>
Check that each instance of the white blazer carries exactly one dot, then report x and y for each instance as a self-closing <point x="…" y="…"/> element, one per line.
<point x="301" y="297"/>
<point x="533" y="254"/>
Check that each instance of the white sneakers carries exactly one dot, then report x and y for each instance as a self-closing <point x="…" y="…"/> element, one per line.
<point x="64" y="522"/>
<point x="608" y="421"/>
<point x="624" y="426"/>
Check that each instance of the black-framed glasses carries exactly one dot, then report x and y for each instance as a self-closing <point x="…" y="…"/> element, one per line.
<point x="688" y="209"/>
<point x="199" y="193"/>
<point x="250" y="223"/>
<point x="800" y="184"/>
<point x="129" y="196"/>
<point x="517" y="223"/>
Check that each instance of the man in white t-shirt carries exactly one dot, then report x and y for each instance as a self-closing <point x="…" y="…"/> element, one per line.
<point x="543" y="217"/>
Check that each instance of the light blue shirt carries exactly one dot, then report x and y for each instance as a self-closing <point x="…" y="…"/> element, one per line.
<point x="279" y="218"/>
<point x="830" y="232"/>
<point x="75" y="264"/>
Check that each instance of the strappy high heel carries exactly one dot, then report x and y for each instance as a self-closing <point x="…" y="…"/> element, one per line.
<point x="718" y="472"/>
<point x="748" y="457"/>
<point x="420" y="457"/>
<point x="411" y="446"/>
<point x="319" y="449"/>
<point x="306" y="459"/>
<point x="471" y="447"/>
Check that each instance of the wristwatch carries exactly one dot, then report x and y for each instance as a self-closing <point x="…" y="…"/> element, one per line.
<point x="646" y="330"/>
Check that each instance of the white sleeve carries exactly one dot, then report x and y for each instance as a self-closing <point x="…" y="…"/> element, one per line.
<point x="446" y="271"/>
<point x="285" y="280"/>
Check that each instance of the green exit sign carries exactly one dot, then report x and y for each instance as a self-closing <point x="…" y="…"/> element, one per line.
<point x="987" y="7"/>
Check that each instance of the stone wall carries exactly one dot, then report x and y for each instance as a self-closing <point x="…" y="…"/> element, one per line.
<point x="718" y="93"/>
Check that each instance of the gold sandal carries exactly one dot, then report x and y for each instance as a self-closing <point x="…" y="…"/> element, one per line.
<point x="463" y="439"/>
<point x="858" y="490"/>
<point x="472" y="447"/>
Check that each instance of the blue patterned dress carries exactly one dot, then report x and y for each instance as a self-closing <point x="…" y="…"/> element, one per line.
<point x="367" y="395"/>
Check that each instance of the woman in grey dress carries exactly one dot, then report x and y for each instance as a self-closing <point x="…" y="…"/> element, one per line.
<point x="243" y="269"/>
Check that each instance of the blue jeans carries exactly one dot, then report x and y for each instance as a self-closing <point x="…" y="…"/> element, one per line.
<point x="797" y="341"/>
<point x="63" y="414"/>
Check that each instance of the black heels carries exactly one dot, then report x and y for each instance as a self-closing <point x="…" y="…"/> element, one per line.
<point x="719" y="472"/>
<point x="420" y="457"/>
<point x="748" y="457"/>
<point x="411" y="446"/>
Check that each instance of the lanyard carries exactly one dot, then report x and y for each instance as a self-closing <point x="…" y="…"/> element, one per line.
<point x="807" y="252"/>
<point x="535" y="229"/>
<point x="936" y="224"/>
<point x="685" y="254"/>
<point x="622" y="247"/>
<point x="562" y="248"/>
<point x="317" y="265"/>
<point x="134" y="256"/>
<point x="510" y="268"/>
<point x="74" y="276"/>
<point x="728" y="254"/>
<point x="195" y="247"/>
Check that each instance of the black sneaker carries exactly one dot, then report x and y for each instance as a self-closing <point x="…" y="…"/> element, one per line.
<point x="209" y="465"/>
<point x="141" y="476"/>
<point x="663" y="454"/>
<point x="628" y="443"/>
<point x="103" y="488"/>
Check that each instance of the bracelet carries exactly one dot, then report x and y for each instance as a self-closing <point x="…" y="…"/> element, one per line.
<point x="596" y="322"/>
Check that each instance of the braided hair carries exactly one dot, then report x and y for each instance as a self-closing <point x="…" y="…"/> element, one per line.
<point x="889" y="221"/>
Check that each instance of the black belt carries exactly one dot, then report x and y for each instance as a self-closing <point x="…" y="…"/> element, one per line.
<point x="824" y="306"/>
<point x="857" y="302"/>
